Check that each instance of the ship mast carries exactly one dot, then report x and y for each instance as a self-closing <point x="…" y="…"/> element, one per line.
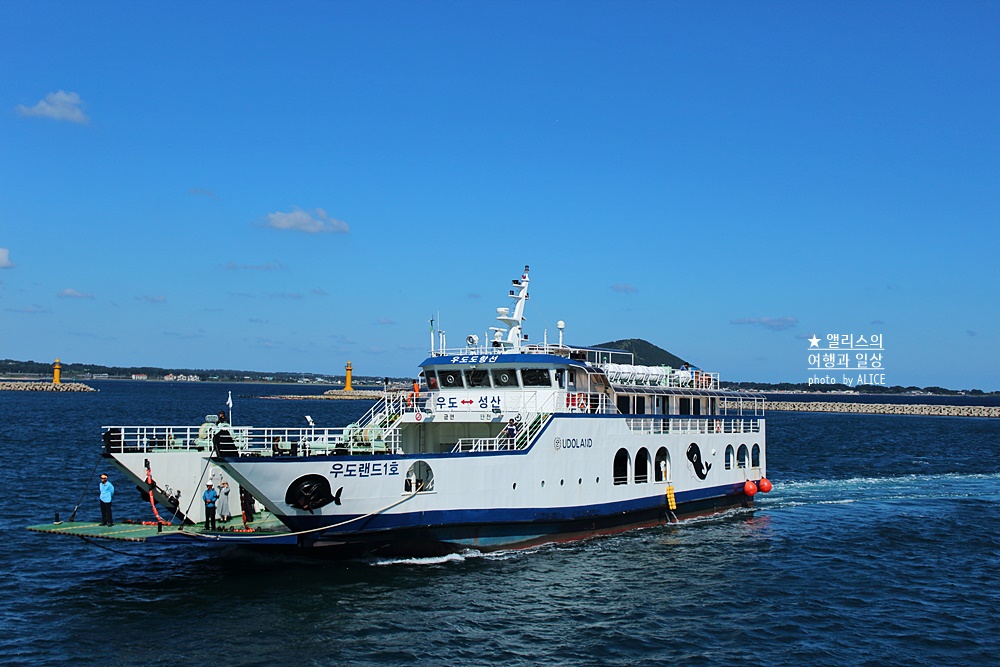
<point x="512" y="339"/>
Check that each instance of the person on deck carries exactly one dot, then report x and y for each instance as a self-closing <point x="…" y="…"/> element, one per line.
<point x="224" y="514"/>
<point x="210" y="496"/>
<point x="511" y="432"/>
<point x="222" y="417"/>
<point x="246" y="504"/>
<point x="107" y="493"/>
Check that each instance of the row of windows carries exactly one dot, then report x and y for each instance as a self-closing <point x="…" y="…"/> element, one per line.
<point x="623" y="469"/>
<point x="741" y="457"/>
<point x="623" y="466"/>
<point x="494" y="377"/>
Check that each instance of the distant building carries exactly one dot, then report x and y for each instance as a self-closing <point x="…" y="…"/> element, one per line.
<point x="139" y="376"/>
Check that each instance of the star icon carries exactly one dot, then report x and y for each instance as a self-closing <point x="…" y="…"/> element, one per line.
<point x="814" y="341"/>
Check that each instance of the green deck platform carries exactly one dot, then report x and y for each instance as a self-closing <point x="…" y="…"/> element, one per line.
<point x="268" y="530"/>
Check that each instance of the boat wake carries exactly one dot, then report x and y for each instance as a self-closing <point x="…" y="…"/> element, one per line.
<point x="880" y="489"/>
<point x="429" y="560"/>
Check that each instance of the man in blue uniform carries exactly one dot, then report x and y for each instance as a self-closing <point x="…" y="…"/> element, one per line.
<point x="210" y="496"/>
<point x="107" y="493"/>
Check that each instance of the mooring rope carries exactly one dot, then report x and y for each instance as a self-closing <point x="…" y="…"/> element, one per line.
<point x="72" y="517"/>
<point x="310" y="530"/>
<point x="150" y="484"/>
<point x="187" y="513"/>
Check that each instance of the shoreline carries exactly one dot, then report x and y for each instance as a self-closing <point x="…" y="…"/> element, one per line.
<point x="923" y="409"/>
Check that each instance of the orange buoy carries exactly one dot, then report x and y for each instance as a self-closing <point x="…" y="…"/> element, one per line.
<point x="764" y="485"/>
<point x="749" y="488"/>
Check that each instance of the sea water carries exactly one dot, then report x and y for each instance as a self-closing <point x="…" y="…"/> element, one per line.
<point x="879" y="545"/>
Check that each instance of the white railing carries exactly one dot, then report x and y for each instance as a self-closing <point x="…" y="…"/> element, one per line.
<point x="668" y="425"/>
<point x="503" y="442"/>
<point x="376" y="437"/>
<point x="593" y="403"/>
<point x="659" y="376"/>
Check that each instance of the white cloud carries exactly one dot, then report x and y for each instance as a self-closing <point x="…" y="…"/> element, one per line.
<point x="624" y="288"/>
<point x="385" y="320"/>
<point x="303" y="221"/>
<point x="31" y="310"/>
<point x="202" y="192"/>
<point x="71" y="293"/>
<point x="57" y="106"/>
<point x="772" y="323"/>
<point x="5" y="262"/>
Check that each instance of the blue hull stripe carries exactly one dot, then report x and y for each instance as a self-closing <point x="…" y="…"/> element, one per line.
<point x="494" y="516"/>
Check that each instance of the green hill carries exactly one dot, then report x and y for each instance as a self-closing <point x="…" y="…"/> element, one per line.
<point x="646" y="354"/>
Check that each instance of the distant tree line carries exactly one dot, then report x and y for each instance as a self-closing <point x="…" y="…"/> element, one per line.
<point x="861" y="389"/>
<point x="70" y="371"/>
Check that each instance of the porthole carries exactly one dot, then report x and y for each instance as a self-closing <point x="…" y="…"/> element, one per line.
<point x="598" y="480"/>
<point x="543" y="483"/>
<point x="580" y="481"/>
<point x="561" y="482"/>
<point x="515" y="486"/>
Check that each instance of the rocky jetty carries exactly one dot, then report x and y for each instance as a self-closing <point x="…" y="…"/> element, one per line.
<point x="884" y="408"/>
<point x="336" y="395"/>
<point x="44" y="386"/>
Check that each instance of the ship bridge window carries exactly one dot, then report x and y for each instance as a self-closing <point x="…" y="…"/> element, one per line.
<point x="623" y="464"/>
<point x="450" y="379"/>
<point x="432" y="380"/>
<point x="504" y="377"/>
<point x="475" y="377"/>
<point x="729" y="457"/>
<point x="536" y="377"/>
<point x="561" y="378"/>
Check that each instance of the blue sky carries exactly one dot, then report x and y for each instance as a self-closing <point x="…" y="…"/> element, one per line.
<point x="289" y="186"/>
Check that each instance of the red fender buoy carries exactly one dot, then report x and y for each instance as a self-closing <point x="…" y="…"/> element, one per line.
<point x="749" y="488"/>
<point x="764" y="485"/>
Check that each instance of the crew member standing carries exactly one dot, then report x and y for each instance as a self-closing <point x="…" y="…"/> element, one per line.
<point x="107" y="493"/>
<point x="210" y="496"/>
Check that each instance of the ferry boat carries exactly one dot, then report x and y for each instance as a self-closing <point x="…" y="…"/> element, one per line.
<point x="509" y="444"/>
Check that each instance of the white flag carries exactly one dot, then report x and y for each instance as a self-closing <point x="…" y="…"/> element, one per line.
<point x="229" y="401"/>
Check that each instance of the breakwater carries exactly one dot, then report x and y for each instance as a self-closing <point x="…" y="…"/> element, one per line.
<point x="336" y="395"/>
<point x="44" y="386"/>
<point x="883" y="408"/>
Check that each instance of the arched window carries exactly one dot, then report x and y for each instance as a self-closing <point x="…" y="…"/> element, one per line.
<point x="741" y="456"/>
<point x="419" y="477"/>
<point x="622" y="466"/>
<point x="755" y="456"/>
<point x="661" y="466"/>
<point x="729" y="457"/>
<point x="642" y="466"/>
